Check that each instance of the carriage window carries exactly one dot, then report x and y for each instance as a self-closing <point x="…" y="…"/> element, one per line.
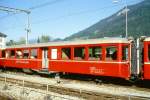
<point x="95" y="53"/>
<point x="79" y="53"/>
<point x="7" y="54"/>
<point x="125" y="53"/>
<point x="111" y="53"/>
<point x="18" y="54"/>
<point x="12" y="53"/>
<point x="3" y="53"/>
<point x="25" y="53"/>
<point x="33" y="53"/>
<point x="53" y="53"/>
<point x="66" y="53"/>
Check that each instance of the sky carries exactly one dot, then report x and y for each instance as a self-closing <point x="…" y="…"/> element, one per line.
<point x="56" y="18"/>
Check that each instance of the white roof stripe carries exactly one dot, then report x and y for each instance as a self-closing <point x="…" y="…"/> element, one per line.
<point x="77" y="42"/>
<point x="147" y="39"/>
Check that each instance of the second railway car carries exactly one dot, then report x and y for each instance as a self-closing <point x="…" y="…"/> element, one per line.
<point x="101" y="57"/>
<point x="146" y="59"/>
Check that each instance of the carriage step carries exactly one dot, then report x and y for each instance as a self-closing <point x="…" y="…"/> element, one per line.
<point x="44" y="70"/>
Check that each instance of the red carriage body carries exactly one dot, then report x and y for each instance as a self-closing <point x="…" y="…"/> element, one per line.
<point x="146" y="65"/>
<point x="100" y="57"/>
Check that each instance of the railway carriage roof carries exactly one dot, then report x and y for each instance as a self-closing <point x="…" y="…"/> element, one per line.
<point x="147" y="39"/>
<point x="75" y="42"/>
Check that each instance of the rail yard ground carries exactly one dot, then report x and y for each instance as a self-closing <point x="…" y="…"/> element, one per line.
<point x="15" y="92"/>
<point x="34" y="87"/>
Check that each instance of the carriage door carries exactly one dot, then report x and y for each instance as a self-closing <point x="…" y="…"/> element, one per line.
<point x="45" y="58"/>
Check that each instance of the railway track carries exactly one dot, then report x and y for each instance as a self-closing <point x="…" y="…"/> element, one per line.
<point x="57" y="88"/>
<point x="30" y="86"/>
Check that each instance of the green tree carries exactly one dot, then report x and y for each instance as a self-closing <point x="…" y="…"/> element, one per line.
<point x="38" y="40"/>
<point x="45" y="38"/>
<point x="22" y="40"/>
<point x="10" y="43"/>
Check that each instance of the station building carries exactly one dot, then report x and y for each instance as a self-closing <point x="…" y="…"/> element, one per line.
<point x="2" y="40"/>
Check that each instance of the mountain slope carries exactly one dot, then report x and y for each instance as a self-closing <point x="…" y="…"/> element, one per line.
<point x="138" y="24"/>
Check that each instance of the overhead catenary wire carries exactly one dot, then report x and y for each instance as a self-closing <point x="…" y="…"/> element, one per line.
<point x="75" y="14"/>
<point x="45" y="4"/>
<point x="32" y="8"/>
<point x="92" y="10"/>
<point x="62" y="16"/>
<point x="10" y="9"/>
<point x="50" y="3"/>
<point x="67" y="15"/>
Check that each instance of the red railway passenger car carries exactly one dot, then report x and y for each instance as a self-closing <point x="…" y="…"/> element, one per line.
<point x="100" y="57"/>
<point x="146" y="65"/>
